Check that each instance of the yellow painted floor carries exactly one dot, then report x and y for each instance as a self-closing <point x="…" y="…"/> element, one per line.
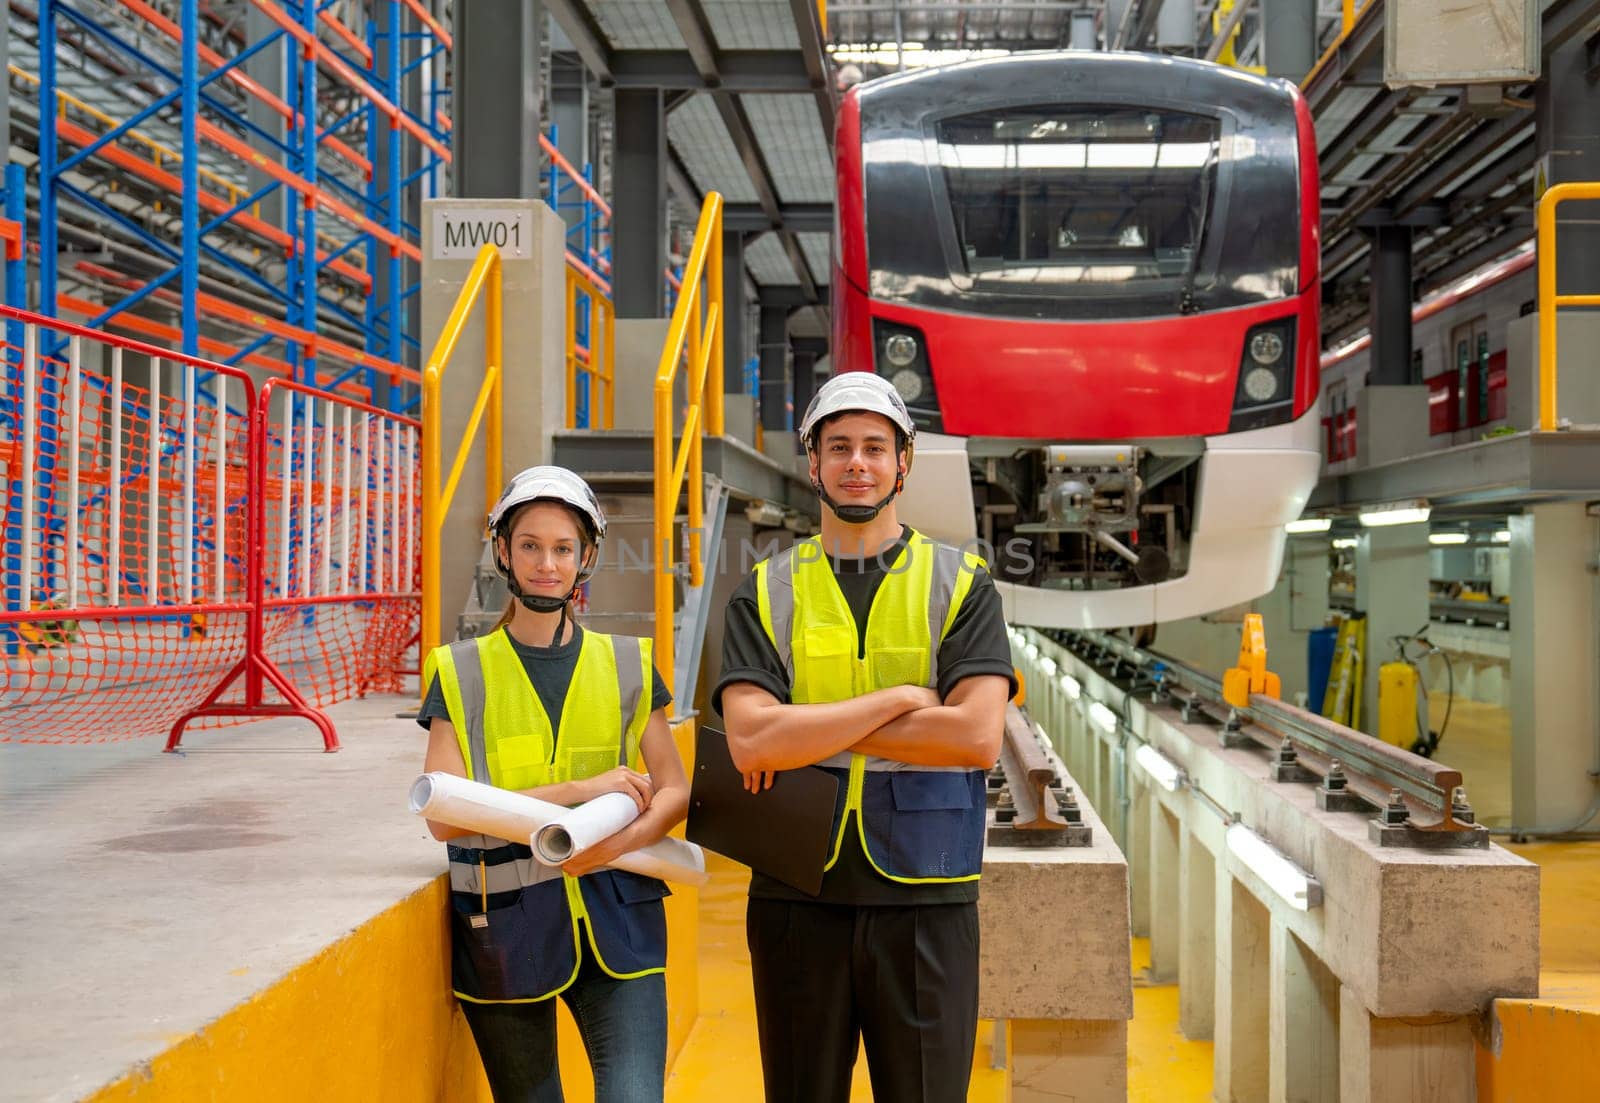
<point x="721" y="1059"/>
<point x="1477" y="741"/>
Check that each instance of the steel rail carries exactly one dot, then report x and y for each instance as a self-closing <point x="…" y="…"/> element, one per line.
<point x="1374" y="768"/>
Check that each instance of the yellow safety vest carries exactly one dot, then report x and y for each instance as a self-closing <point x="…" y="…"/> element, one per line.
<point x="917" y="824"/>
<point x="524" y="945"/>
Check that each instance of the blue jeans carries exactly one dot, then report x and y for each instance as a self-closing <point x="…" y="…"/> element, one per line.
<point x="623" y="1024"/>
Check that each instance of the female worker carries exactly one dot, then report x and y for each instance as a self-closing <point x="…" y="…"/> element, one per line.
<point x="545" y="708"/>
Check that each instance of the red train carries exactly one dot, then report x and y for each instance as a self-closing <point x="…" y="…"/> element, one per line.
<point x="1094" y="279"/>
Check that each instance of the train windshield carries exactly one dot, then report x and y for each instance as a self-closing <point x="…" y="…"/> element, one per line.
<point x="1082" y="210"/>
<point x="1050" y="197"/>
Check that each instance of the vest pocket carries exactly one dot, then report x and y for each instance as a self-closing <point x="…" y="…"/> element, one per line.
<point x="898" y="666"/>
<point x="926" y="833"/>
<point x="585" y="763"/>
<point x="518" y="763"/>
<point x="828" y="662"/>
<point x="522" y="952"/>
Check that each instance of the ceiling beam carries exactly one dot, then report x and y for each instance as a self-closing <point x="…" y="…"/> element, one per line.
<point x="1499" y="134"/>
<point x="761" y="71"/>
<point x="584" y="33"/>
<point x="695" y="28"/>
<point x="801" y="218"/>
<point x="808" y="25"/>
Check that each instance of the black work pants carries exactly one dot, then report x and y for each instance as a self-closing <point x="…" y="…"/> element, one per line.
<point x="902" y="979"/>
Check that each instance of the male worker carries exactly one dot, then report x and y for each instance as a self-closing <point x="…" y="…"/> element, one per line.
<point x="882" y="657"/>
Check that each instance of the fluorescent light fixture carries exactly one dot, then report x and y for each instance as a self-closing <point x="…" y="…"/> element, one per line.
<point x="1308" y="524"/>
<point x="1031" y="650"/>
<point x="1347" y="541"/>
<point x="1396" y="513"/>
<point x="1502" y="536"/>
<point x="1295" y="885"/>
<point x="1048" y="665"/>
<point x="1102" y="717"/>
<point x="1446" y="538"/>
<point x="1162" y="770"/>
<point x="1070" y="686"/>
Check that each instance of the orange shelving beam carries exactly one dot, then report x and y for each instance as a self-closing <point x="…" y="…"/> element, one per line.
<point x="341" y="69"/>
<point x="432" y="24"/>
<point x="242" y="80"/>
<point x="132" y="163"/>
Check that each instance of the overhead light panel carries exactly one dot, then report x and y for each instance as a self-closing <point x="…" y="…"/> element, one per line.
<point x="1297" y="887"/>
<point x="1102" y="717"/>
<point x="1502" y="536"/>
<point x="1346" y="542"/>
<point x="1445" y="539"/>
<point x="1308" y="524"/>
<point x="1414" y="512"/>
<point x="1162" y="770"/>
<point x="1048" y="665"/>
<point x="1071" y="687"/>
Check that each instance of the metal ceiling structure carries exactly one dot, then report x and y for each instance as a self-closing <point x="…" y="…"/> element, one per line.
<point x="751" y="100"/>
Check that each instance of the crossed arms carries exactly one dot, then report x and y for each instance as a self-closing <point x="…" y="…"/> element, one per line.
<point x="904" y="723"/>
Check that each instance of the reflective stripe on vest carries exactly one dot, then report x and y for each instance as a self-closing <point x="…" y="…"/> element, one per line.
<point x="506" y="740"/>
<point x="827" y="660"/>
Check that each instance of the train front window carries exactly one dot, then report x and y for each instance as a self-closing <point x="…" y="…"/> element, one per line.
<point x="1050" y="198"/>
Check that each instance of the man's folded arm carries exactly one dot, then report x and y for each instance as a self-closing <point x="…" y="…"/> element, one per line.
<point x="766" y="734"/>
<point x="964" y="731"/>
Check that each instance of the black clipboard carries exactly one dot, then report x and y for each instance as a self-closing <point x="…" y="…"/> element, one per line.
<point x="783" y="832"/>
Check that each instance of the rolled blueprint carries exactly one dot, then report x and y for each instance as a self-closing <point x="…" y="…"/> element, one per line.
<point x="581" y="827"/>
<point x="508" y="815"/>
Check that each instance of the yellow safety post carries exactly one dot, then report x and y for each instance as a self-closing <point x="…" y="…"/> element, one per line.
<point x="1549" y="300"/>
<point x="1251" y="675"/>
<point x="694" y="337"/>
<point x="483" y="281"/>
<point x="597" y="360"/>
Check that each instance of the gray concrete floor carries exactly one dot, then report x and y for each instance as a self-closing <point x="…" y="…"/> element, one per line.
<point x="143" y="895"/>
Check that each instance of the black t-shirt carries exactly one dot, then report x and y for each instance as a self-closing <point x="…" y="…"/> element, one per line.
<point x="550" y="671"/>
<point x="976" y="644"/>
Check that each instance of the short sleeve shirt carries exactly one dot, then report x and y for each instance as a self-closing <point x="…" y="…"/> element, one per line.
<point x="976" y="644"/>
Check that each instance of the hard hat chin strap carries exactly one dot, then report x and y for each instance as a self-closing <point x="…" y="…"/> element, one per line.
<point x="854" y="514"/>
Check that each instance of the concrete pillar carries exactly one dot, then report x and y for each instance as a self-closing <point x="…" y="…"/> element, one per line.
<point x="1424" y="1059"/>
<point x="1165" y="898"/>
<point x="1242" y="976"/>
<point x="266" y="69"/>
<point x="496" y="66"/>
<point x="1084" y="35"/>
<point x="1197" y="954"/>
<point x="804" y="380"/>
<point x="774" y="353"/>
<point x="534" y="387"/>
<point x="1303" y="1028"/>
<point x="639" y="205"/>
<point x="1392" y="589"/>
<point x="1289" y="30"/>
<point x="1555" y="664"/>
<point x="1137" y="848"/>
<point x="735" y="346"/>
<point x="1175" y="27"/>
<point x="1389" y="306"/>
<point x="1569" y="150"/>
<point x="1049" y="1055"/>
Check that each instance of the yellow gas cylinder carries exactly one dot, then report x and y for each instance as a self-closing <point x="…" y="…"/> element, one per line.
<point x="1397" y="704"/>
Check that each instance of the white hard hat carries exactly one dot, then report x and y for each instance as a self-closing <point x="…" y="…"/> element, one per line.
<point x="548" y="483"/>
<point x="857" y="391"/>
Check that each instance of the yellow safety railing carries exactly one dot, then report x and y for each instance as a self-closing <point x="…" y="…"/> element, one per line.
<point x="598" y="361"/>
<point x="483" y="282"/>
<point x="1549" y="300"/>
<point x="694" y="342"/>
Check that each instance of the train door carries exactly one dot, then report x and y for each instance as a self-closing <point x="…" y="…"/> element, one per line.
<point x="1469" y="349"/>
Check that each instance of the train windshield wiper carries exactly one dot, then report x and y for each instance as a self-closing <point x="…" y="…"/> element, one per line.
<point x="1186" y="303"/>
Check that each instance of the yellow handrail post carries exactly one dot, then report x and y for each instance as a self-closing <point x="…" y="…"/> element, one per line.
<point x="1549" y="300"/>
<point x="484" y="276"/>
<point x="694" y="338"/>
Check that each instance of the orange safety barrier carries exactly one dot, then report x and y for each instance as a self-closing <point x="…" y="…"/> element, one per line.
<point x="183" y="551"/>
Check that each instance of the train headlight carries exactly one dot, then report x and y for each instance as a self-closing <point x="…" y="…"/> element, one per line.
<point x="1266" y="349"/>
<point x="1260" y="384"/>
<point x="908" y="383"/>
<point x="901" y="352"/>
